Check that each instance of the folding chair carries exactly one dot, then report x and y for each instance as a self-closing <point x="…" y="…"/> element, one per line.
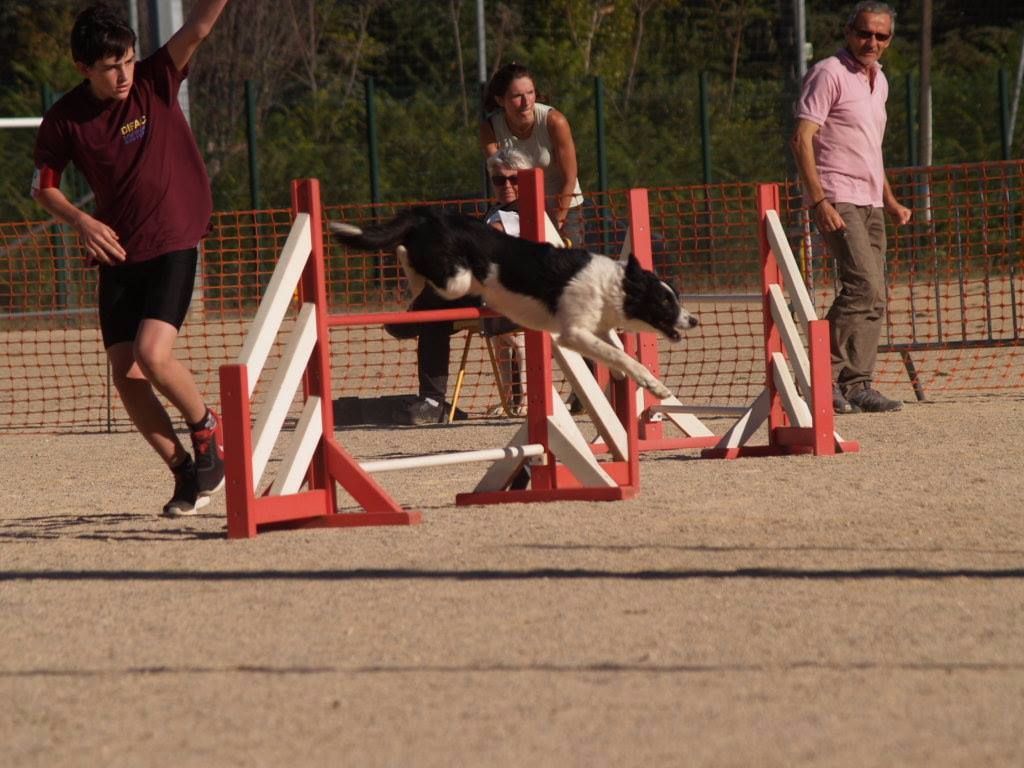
<point x="476" y="328"/>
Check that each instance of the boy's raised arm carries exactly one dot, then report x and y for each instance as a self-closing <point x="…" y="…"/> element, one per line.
<point x="197" y="26"/>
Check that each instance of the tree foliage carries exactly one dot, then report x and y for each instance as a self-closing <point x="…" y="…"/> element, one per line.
<point x="310" y="61"/>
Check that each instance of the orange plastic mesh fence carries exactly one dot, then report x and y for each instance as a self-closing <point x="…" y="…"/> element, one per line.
<point x="955" y="302"/>
<point x="953" y="324"/>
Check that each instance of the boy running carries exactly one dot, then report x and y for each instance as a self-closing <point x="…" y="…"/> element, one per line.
<point x="123" y="129"/>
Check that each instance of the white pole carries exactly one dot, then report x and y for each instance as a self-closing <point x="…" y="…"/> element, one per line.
<point x="701" y="410"/>
<point x="1016" y="90"/>
<point x="481" y="45"/>
<point x="462" y="457"/>
<point x="20" y="122"/>
<point x="133" y="16"/>
<point x="167" y="19"/>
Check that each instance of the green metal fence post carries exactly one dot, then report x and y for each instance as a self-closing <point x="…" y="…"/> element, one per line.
<point x="705" y="128"/>
<point x="371" y="141"/>
<point x="250" y="134"/>
<point x="603" y="210"/>
<point x="602" y="156"/>
<point x="705" y="144"/>
<point x="1004" y="114"/>
<point x="911" y="121"/>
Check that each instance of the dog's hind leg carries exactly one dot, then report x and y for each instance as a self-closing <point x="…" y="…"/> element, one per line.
<point x="416" y="280"/>
<point x="457" y="285"/>
<point x="590" y="345"/>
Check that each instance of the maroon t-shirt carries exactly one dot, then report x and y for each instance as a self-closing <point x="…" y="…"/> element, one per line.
<point x="139" y="157"/>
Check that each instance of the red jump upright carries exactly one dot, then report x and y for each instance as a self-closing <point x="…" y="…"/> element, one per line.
<point x="282" y="504"/>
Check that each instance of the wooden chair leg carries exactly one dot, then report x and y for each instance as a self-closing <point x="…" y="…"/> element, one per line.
<point x="461" y="376"/>
<point x="503" y="396"/>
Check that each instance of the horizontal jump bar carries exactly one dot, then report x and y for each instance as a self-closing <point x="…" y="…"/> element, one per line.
<point x="400" y="318"/>
<point x="701" y="410"/>
<point x="716" y="298"/>
<point x="472" y="313"/>
<point x="463" y="457"/>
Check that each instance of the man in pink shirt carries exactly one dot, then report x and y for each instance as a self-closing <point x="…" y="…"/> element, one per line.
<point x="840" y="123"/>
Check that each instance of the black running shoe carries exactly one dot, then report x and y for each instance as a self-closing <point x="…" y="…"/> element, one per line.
<point x="839" y="402"/>
<point x="419" y="411"/>
<point x="870" y="400"/>
<point x="208" y="444"/>
<point x="186" y="500"/>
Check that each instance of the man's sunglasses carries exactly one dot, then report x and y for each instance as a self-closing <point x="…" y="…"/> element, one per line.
<point x="867" y="34"/>
<point x="501" y="181"/>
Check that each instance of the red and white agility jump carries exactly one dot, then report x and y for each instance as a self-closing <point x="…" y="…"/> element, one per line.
<point x="563" y="464"/>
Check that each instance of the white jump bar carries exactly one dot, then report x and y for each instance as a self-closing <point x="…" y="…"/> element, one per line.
<point x="702" y="410"/>
<point x="463" y="457"/>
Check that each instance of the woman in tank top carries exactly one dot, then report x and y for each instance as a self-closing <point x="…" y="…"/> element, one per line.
<point x="517" y="121"/>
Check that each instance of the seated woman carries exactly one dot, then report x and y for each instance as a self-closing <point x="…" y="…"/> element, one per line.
<point x="433" y="347"/>
<point x="503" y="168"/>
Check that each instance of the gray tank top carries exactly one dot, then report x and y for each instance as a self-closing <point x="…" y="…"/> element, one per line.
<point x="538" y="147"/>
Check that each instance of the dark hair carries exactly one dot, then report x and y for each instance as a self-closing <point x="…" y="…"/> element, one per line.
<point x="499" y="83"/>
<point x="100" y="32"/>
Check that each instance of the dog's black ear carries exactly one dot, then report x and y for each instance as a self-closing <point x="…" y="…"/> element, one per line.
<point x="633" y="264"/>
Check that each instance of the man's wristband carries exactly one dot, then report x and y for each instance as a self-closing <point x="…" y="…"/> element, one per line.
<point x="813" y="207"/>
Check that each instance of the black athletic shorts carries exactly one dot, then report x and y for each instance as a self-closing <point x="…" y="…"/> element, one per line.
<point x="158" y="289"/>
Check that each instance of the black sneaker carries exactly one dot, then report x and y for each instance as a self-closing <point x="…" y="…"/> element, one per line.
<point x="419" y="411"/>
<point x="186" y="500"/>
<point x="870" y="400"/>
<point x="208" y="444"/>
<point x="839" y="402"/>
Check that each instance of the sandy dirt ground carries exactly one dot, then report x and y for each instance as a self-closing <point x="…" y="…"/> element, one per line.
<point x="858" y="610"/>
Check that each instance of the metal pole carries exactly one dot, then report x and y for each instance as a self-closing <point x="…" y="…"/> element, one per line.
<point x="705" y="128"/>
<point x="911" y="144"/>
<point x="481" y="44"/>
<point x="1016" y="89"/>
<point x="800" y="30"/>
<point x="1004" y="114"/>
<point x="602" y="156"/>
<point x="481" y="71"/>
<point x="133" y="16"/>
<point x="925" y="112"/>
<point x="166" y="18"/>
<point x="250" y="133"/>
<point x="602" y="161"/>
<point x="371" y="140"/>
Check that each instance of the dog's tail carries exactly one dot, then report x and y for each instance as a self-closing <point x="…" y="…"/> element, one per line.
<point x="379" y="237"/>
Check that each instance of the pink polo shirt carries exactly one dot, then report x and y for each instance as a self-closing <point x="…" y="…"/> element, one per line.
<point x="837" y="96"/>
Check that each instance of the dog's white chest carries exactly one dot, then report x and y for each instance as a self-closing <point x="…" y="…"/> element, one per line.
<point x="524" y="310"/>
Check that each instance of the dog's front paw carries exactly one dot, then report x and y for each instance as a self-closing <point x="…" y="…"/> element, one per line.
<point x="658" y="389"/>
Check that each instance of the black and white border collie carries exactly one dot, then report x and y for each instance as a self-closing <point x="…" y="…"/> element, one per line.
<point x="577" y="296"/>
